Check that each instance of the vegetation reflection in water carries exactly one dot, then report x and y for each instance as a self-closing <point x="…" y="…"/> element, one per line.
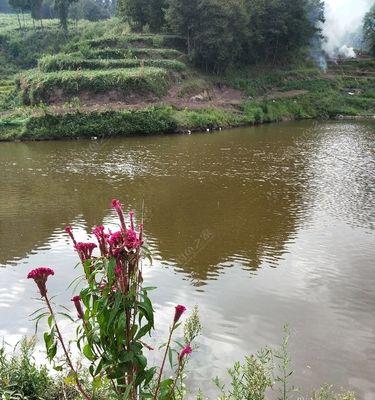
<point x="265" y="207"/>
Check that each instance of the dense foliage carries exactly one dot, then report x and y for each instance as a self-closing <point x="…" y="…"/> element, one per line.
<point x="123" y="123"/>
<point x="224" y="32"/>
<point x="221" y="33"/>
<point x="369" y="29"/>
<point x="142" y="13"/>
<point x="61" y="62"/>
<point x="114" y="319"/>
<point x="47" y="87"/>
<point x="22" y="379"/>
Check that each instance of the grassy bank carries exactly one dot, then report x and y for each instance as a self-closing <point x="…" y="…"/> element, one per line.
<point x="22" y="378"/>
<point x="102" y="80"/>
<point x="166" y="119"/>
<point x="39" y="87"/>
<point x="62" y="62"/>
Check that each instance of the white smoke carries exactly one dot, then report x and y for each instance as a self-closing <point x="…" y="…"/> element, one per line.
<point x="343" y="20"/>
<point x="346" y="52"/>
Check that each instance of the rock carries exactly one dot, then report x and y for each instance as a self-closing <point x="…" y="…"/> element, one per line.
<point x="204" y="96"/>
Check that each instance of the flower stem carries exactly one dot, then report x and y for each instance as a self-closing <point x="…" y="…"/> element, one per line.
<point x="180" y="368"/>
<point x="68" y="359"/>
<point x="163" y="363"/>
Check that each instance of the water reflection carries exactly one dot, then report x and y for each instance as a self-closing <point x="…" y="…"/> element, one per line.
<point x="220" y="209"/>
<point x="245" y="189"/>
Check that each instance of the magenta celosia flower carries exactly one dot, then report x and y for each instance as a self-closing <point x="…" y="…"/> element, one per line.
<point x="185" y="352"/>
<point x="115" y="239"/>
<point x="77" y="303"/>
<point x="69" y="231"/>
<point x="40" y="276"/>
<point x="116" y="204"/>
<point x="85" y="250"/>
<point x="131" y="239"/>
<point x="179" y="311"/>
<point x="101" y="237"/>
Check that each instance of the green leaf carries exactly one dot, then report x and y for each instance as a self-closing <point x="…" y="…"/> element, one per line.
<point x="149" y="374"/>
<point x="88" y="352"/>
<point x="97" y="382"/>
<point x="143" y="331"/>
<point x="66" y="316"/>
<point x="52" y="351"/>
<point x="111" y="270"/>
<point x="142" y="360"/>
<point x="99" y="367"/>
<point x="170" y="357"/>
<point x="50" y="321"/>
<point x="47" y="340"/>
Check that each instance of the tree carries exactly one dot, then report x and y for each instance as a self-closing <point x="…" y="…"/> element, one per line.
<point x="183" y="18"/>
<point x="36" y="9"/>
<point x="140" y="13"/>
<point x="224" y="32"/>
<point x="215" y="30"/>
<point x="62" y="10"/>
<point x="19" y="6"/>
<point x="369" y="30"/>
<point x="278" y="29"/>
<point x="89" y="9"/>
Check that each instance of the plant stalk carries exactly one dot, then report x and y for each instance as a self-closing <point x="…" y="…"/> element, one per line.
<point x="68" y="359"/>
<point x="163" y="363"/>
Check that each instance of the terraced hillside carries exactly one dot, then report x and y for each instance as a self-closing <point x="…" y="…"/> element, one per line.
<point x="141" y="84"/>
<point x="107" y="70"/>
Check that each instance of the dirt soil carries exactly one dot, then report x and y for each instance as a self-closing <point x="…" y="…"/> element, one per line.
<point x="218" y="97"/>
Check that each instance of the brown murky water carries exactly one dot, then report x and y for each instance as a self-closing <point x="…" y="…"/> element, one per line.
<point x="259" y="226"/>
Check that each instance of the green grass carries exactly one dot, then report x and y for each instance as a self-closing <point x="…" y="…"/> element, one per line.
<point x="255" y="82"/>
<point x="253" y="378"/>
<point x="108" y="123"/>
<point x="129" y="53"/>
<point x="39" y="87"/>
<point x="139" y="40"/>
<point x="21" y="49"/>
<point x="65" y="62"/>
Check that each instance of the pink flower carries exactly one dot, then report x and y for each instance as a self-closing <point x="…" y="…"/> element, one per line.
<point x="131" y="239"/>
<point x="77" y="303"/>
<point x="179" y="311"/>
<point x="116" y="204"/>
<point x="101" y="237"/>
<point x="85" y="250"/>
<point x="69" y="231"/>
<point x="185" y="352"/>
<point x="115" y="239"/>
<point x="40" y="276"/>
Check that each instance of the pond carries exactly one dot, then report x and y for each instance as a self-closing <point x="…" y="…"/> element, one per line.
<point x="258" y="226"/>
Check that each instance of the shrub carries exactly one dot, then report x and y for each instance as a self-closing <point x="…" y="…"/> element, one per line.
<point x="138" y="40"/>
<point x="20" y="377"/>
<point x="114" y="318"/>
<point x="131" y="52"/>
<point x="42" y="87"/>
<point x="65" y="62"/>
<point x="101" y="124"/>
<point x="207" y="118"/>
